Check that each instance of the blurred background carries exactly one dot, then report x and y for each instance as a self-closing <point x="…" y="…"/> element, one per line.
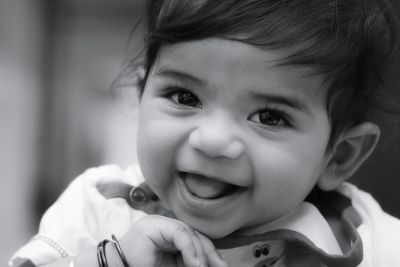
<point x="58" y="115"/>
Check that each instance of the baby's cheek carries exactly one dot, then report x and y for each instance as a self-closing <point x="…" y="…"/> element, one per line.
<point x="148" y="150"/>
<point x="285" y="172"/>
<point x="157" y="146"/>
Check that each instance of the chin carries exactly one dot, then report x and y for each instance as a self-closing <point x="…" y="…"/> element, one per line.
<point x="212" y="230"/>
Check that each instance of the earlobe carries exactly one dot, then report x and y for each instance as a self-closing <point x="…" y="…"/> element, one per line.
<point x="351" y="149"/>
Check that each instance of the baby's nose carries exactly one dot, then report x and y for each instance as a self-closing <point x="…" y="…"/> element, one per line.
<point x="216" y="139"/>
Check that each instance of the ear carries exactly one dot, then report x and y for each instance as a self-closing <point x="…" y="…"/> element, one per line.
<point x="351" y="149"/>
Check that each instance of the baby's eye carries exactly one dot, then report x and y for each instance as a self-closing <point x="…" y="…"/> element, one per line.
<point x="268" y="117"/>
<point x="186" y="98"/>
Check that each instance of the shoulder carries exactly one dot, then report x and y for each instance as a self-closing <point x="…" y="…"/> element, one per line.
<point x="83" y="201"/>
<point x="94" y="216"/>
<point x="83" y="190"/>
<point x="379" y="231"/>
<point x="83" y="197"/>
<point x="369" y="209"/>
<point x="82" y="216"/>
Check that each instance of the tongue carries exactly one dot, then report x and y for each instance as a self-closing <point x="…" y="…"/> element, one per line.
<point x="204" y="187"/>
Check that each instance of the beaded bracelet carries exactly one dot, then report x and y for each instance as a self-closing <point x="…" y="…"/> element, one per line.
<point x="101" y="253"/>
<point x="119" y="250"/>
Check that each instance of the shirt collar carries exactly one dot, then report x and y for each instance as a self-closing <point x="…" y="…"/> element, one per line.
<point x="305" y="220"/>
<point x="308" y="230"/>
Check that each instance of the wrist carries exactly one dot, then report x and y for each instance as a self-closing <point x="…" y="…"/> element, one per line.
<point x="88" y="257"/>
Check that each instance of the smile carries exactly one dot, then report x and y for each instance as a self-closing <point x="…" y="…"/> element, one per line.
<point x="207" y="188"/>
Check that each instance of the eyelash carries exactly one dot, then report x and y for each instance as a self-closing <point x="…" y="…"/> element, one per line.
<point x="282" y="116"/>
<point x="171" y="90"/>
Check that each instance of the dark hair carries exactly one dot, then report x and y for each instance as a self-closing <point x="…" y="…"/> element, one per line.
<point x="347" y="40"/>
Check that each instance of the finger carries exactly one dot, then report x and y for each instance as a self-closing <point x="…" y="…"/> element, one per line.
<point x="188" y="243"/>
<point x="201" y="255"/>
<point x="170" y="236"/>
<point x="214" y="259"/>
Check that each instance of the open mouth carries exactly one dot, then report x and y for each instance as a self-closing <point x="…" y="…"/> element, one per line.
<point x="207" y="188"/>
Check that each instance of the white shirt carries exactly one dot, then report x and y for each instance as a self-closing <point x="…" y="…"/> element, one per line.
<point x="82" y="217"/>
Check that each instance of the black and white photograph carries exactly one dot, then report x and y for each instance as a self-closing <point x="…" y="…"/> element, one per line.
<point x="200" y="133"/>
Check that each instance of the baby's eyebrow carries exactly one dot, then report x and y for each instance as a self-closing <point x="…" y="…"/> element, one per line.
<point x="291" y="101"/>
<point x="179" y="75"/>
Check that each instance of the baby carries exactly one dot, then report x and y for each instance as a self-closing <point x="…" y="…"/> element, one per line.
<point x="252" y="116"/>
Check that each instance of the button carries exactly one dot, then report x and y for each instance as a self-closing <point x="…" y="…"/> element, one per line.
<point x="257" y="251"/>
<point x="138" y="195"/>
<point x="265" y="249"/>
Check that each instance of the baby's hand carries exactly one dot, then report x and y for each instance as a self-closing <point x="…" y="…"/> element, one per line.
<point x="157" y="241"/>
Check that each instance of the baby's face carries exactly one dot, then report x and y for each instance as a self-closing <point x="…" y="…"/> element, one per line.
<point x="228" y="139"/>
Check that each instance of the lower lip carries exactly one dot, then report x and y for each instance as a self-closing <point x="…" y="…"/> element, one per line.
<point x="206" y="204"/>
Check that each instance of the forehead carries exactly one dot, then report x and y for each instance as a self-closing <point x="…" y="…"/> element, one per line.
<point x="220" y="63"/>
